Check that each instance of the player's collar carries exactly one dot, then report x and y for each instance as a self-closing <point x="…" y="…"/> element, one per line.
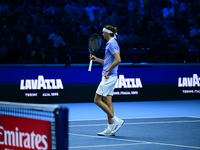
<point x="111" y="40"/>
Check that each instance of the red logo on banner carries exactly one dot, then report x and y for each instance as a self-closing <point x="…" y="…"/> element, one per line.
<point x="22" y="134"/>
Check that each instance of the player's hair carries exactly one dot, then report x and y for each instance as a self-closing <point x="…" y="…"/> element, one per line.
<point x="111" y="28"/>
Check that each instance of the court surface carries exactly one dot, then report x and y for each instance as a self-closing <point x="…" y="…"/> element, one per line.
<point x="152" y="125"/>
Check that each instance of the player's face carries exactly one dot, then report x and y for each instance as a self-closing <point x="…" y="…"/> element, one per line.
<point x="105" y="35"/>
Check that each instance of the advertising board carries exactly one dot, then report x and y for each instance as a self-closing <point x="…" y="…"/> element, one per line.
<point x="22" y="134"/>
<point x="71" y="85"/>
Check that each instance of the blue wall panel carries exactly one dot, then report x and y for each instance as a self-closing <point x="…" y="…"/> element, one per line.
<point x="54" y="85"/>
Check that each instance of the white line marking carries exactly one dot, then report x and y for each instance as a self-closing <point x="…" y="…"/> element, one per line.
<point x="194" y="117"/>
<point x="137" y="123"/>
<point x="108" y="137"/>
<point x="140" y="142"/>
<point x="135" y="118"/>
<point x="107" y="145"/>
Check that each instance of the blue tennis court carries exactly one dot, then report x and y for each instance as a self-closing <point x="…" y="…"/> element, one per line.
<point x="152" y="125"/>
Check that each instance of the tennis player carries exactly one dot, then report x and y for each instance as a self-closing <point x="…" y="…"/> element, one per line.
<point x="109" y="78"/>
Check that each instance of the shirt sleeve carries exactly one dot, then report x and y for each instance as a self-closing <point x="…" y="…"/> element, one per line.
<point x="114" y="49"/>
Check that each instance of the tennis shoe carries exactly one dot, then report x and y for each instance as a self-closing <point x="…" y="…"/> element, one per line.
<point x="106" y="132"/>
<point x="117" y="126"/>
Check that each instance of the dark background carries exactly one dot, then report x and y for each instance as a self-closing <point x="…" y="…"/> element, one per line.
<point x="56" y="31"/>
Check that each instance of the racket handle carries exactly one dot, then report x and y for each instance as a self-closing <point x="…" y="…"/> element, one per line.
<point x="90" y="65"/>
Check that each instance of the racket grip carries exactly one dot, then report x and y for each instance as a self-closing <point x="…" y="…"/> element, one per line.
<point x="90" y="65"/>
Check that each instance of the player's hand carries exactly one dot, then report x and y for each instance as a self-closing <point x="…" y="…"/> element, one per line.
<point x="94" y="58"/>
<point x="106" y="75"/>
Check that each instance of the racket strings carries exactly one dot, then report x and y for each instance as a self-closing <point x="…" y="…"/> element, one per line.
<point x="94" y="42"/>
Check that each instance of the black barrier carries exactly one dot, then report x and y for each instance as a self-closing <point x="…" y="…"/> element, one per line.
<point x="71" y="85"/>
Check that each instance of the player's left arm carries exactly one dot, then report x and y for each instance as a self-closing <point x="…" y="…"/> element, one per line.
<point x="115" y="62"/>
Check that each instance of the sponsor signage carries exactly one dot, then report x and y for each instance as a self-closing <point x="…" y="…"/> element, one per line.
<point x="127" y="83"/>
<point x="186" y="83"/>
<point x="54" y="85"/>
<point x="24" y="134"/>
<point x="39" y="84"/>
<point x="193" y="81"/>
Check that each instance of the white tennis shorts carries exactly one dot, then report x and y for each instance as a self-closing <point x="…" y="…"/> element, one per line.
<point x="107" y="86"/>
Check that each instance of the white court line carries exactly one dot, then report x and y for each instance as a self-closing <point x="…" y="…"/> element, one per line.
<point x="107" y="145"/>
<point x="141" y="142"/>
<point x="106" y="137"/>
<point x="134" y="118"/>
<point x="137" y="123"/>
<point x="194" y="117"/>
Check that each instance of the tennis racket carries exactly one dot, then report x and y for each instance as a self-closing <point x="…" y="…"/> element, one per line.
<point x="94" y="44"/>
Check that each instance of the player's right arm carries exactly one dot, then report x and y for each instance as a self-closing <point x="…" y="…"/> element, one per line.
<point x="95" y="59"/>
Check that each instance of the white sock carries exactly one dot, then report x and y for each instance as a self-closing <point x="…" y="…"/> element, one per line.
<point x="115" y="119"/>
<point x="110" y="126"/>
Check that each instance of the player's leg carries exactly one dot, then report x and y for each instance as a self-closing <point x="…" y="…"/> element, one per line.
<point x="108" y="102"/>
<point x="108" y="109"/>
<point x="106" y="87"/>
<point x="98" y="101"/>
<point x="114" y="122"/>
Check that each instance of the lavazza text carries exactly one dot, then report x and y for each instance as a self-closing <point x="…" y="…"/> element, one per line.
<point x="41" y="83"/>
<point x="186" y="82"/>
<point x="127" y="83"/>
